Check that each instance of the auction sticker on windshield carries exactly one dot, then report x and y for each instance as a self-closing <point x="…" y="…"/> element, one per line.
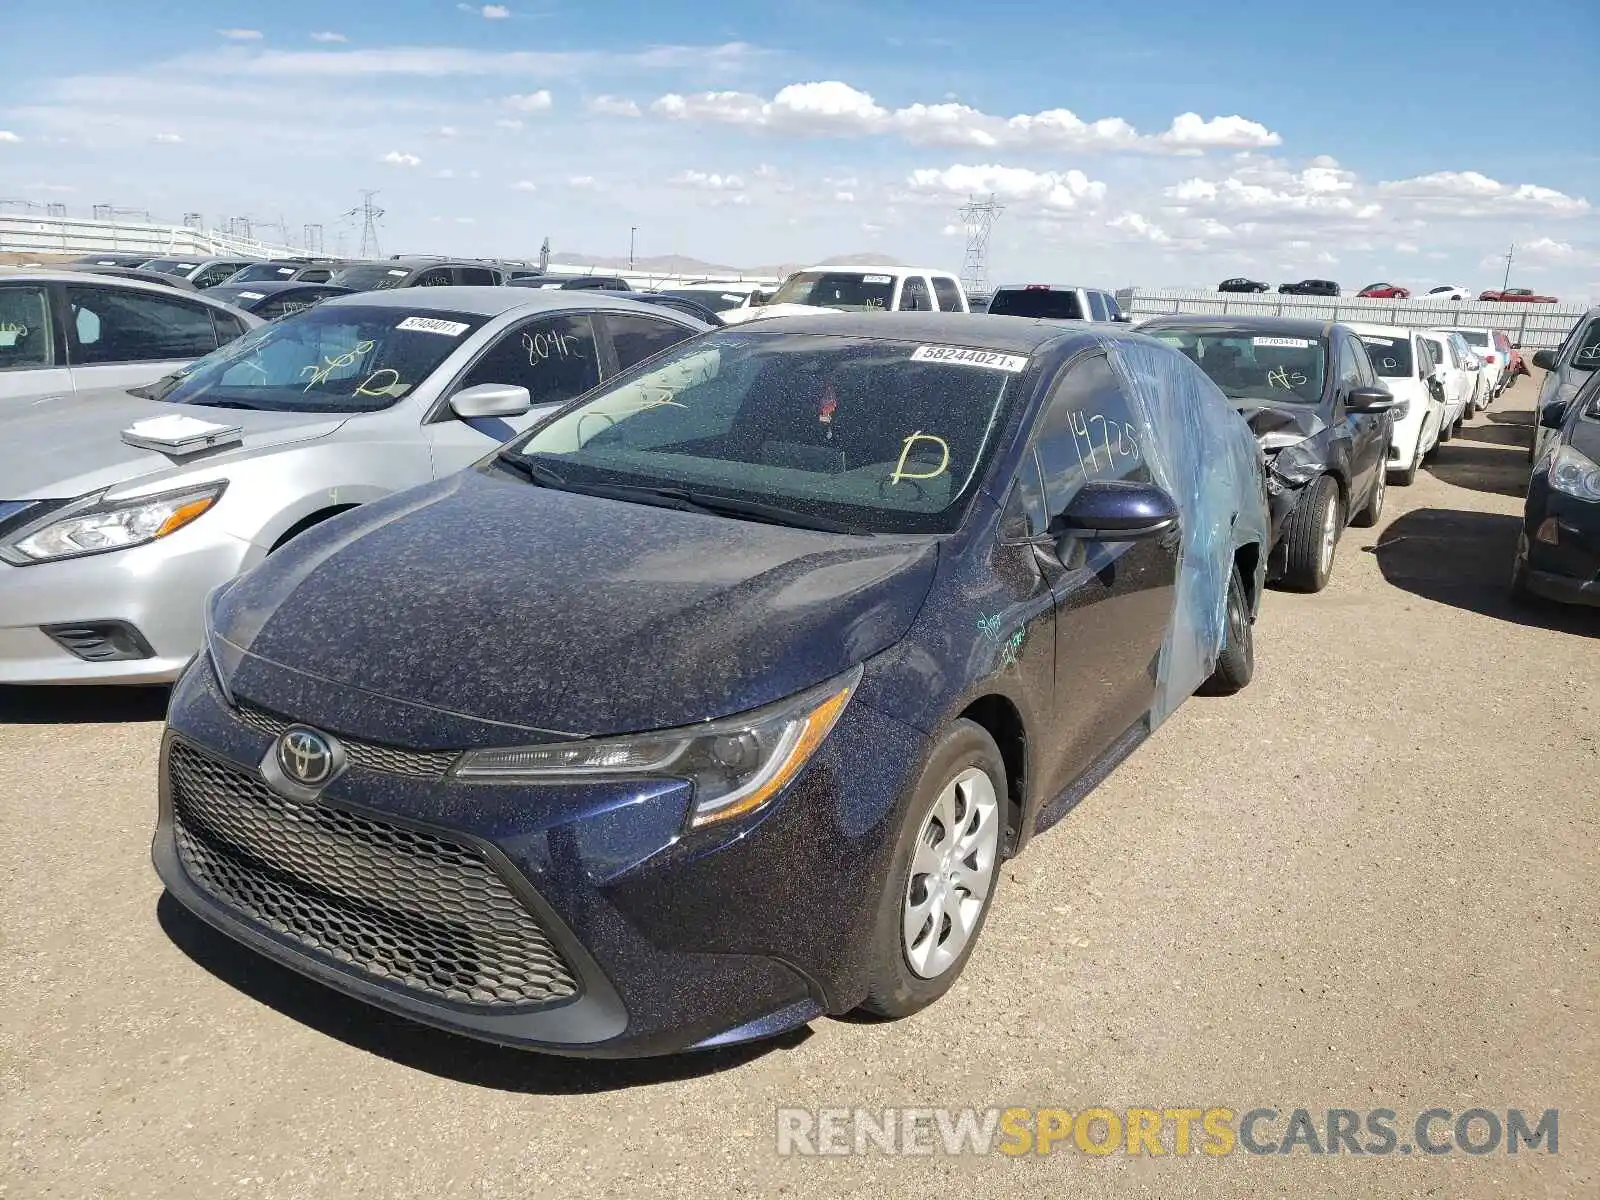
<point x="1014" y="363"/>
<point x="876" y="279"/>
<point x="434" y="325"/>
<point x="1292" y="343"/>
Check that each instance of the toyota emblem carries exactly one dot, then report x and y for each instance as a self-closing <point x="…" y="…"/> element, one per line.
<point x="305" y="756"/>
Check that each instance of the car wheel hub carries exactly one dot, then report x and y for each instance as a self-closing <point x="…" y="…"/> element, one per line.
<point x="1330" y="534"/>
<point x="952" y="871"/>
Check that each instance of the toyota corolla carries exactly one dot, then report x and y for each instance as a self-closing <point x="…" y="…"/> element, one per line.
<point x="712" y="704"/>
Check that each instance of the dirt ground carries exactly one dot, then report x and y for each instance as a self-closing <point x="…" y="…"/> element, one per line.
<point x="1368" y="881"/>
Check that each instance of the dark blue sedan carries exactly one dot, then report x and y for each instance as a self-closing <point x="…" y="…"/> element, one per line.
<point x="713" y="704"/>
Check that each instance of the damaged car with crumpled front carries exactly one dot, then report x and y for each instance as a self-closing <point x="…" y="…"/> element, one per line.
<point x="1322" y="417"/>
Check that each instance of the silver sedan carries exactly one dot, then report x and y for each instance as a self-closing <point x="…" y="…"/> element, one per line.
<point x="121" y="509"/>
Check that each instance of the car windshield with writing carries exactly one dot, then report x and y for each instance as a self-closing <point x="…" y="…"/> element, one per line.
<point x="873" y="436"/>
<point x="344" y="359"/>
<point x="1051" y="304"/>
<point x="1391" y="357"/>
<point x="369" y="278"/>
<point x="1267" y="370"/>
<point x="837" y="289"/>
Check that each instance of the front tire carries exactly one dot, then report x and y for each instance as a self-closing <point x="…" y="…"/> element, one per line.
<point x="942" y="875"/>
<point x="1313" y="537"/>
<point x="1373" y="512"/>
<point x="1236" y="664"/>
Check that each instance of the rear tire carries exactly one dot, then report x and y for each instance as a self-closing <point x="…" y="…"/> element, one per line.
<point x="1313" y="537"/>
<point x="929" y="897"/>
<point x="1236" y="664"/>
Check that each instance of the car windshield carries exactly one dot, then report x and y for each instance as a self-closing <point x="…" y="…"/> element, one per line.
<point x="1586" y="347"/>
<point x="1257" y="367"/>
<point x="882" y="436"/>
<point x="715" y="301"/>
<point x="836" y="289"/>
<point x="170" y="266"/>
<point x="263" y="273"/>
<point x="345" y="359"/>
<point x="1480" y="340"/>
<point x="1391" y="357"/>
<point x="1047" y="303"/>
<point x="369" y="278"/>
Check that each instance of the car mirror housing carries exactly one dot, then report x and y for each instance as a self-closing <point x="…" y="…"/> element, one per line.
<point x="1369" y="400"/>
<point x="1117" y="511"/>
<point x="491" y="400"/>
<point x="1545" y="360"/>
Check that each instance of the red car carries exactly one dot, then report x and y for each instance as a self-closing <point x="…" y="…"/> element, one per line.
<point x="1517" y="296"/>
<point x="1385" y="291"/>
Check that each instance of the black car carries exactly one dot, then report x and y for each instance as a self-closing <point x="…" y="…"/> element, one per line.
<point x="109" y="260"/>
<point x="1241" y="284"/>
<point x="572" y="283"/>
<point x="287" y="270"/>
<point x="272" y="300"/>
<point x="715" y="701"/>
<point x="1321" y="414"/>
<point x="413" y="272"/>
<point x="679" y="301"/>
<point x="1310" y="287"/>
<point x="1558" y="550"/>
<point x="176" y="282"/>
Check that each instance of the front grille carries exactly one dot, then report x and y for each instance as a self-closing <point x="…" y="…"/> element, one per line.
<point x="420" y="764"/>
<point x="413" y="909"/>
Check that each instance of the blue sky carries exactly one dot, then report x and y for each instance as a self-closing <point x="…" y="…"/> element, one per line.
<point x="1157" y="143"/>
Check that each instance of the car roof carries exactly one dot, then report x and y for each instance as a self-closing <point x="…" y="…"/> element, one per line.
<point x="1304" y="327"/>
<point x="266" y="287"/>
<point x="1394" y="331"/>
<point x="1045" y="287"/>
<point x="876" y="269"/>
<point x="977" y="331"/>
<point x="491" y="301"/>
<point x="87" y="278"/>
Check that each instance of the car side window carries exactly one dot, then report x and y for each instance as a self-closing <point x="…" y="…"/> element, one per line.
<point x="947" y="293"/>
<point x="316" y="275"/>
<point x="476" y="276"/>
<point x="636" y="338"/>
<point x="1025" y="514"/>
<point x="114" y="326"/>
<point x="1087" y="431"/>
<point x="216" y="273"/>
<point x="554" y="358"/>
<point x="1097" y="306"/>
<point x="914" y="295"/>
<point x="25" y="337"/>
<point x="1349" y="368"/>
<point x="435" y="277"/>
<point x="228" y="327"/>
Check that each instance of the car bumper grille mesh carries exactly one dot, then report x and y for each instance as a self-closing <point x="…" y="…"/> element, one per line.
<point x="400" y="905"/>
<point x="420" y="764"/>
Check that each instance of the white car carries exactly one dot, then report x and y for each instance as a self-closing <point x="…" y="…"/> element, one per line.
<point x="1496" y="364"/>
<point x="1447" y="291"/>
<point x="64" y="332"/>
<point x="870" y="288"/>
<point x="1459" y="382"/>
<point x="1405" y="363"/>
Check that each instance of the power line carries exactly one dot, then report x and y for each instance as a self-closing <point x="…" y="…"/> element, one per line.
<point x="369" y="214"/>
<point x="978" y="217"/>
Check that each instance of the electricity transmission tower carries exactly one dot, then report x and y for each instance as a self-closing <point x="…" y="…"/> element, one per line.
<point x="978" y="217"/>
<point x="369" y="214"/>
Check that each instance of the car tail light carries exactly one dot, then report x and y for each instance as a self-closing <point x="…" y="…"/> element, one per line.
<point x="1489" y="358"/>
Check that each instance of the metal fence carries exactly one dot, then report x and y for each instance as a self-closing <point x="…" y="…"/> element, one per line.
<point x="1534" y="326"/>
<point x="77" y="235"/>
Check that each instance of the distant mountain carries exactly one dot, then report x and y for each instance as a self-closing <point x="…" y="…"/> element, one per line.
<point x="679" y="264"/>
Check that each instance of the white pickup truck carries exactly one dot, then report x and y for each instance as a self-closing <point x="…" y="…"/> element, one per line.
<point x="871" y="288"/>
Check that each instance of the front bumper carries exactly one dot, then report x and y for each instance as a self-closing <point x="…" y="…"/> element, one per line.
<point x="1561" y="544"/>
<point x="158" y="590"/>
<point x="643" y="939"/>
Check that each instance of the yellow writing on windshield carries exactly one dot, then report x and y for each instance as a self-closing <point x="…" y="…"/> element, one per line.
<point x="900" y="471"/>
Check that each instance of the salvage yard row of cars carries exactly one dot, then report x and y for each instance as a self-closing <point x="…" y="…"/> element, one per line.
<point x="541" y="651"/>
<point x="1385" y="291"/>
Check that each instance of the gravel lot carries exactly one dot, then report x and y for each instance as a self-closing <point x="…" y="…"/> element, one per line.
<point x="1368" y="881"/>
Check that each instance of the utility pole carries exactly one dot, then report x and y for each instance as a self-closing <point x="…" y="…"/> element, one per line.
<point x="978" y="217"/>
<point x="1510" y="254"/>
<point x="369" y="214"/>
<point x="632" y="231"/>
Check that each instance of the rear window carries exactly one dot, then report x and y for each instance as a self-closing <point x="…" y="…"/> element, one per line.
<point x="837" y="289"/>
<point x="1045" y="303"/>
<point x="1391" y="357"/>
<point x="1255" y="367"/>
<point x="1480" y="340"/>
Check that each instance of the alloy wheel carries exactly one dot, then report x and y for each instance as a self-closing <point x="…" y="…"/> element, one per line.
<point x="1330" y="537"/>
<point x="952" y="870"/>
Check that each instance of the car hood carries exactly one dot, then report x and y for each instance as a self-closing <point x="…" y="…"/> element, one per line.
<point x="72" y="445"/>
<point x="482" y="609"/>
<point x="1279" y="423"/>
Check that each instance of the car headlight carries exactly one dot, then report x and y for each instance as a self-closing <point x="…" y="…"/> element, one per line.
<point x="1297" y="464"/>
<point x="1575" y="473"/>
<point x="736" y="764"/>
<point x="95" y="525"/>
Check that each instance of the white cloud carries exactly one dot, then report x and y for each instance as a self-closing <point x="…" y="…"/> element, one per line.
<point x="1406" y="248"/>
<point x="489" y="12"/>
<point x="539" y="101"/>
<point x="7" y="136"/>
<point x="834" y="108"/>
<point x="167" y="139"/>
<point x="583" y="183"/>
<point x="1326" y="259"/>
<point x="1053" y="189"/>
<point x="448" y="131"/>
<point x="1472" y="194"/>
<point x="524" y="185"/>
<point x="613" y="106"/>
<point x="240" y="35"/>
<point x="1135" y="224"/>
<point x="844" y="197"/>
<point x="508" y="123"/>
<point x="1315" y="190"/>
<point x="704" y="182"/>
<point x="399" y="158"/>
<point x="328" y="36"/>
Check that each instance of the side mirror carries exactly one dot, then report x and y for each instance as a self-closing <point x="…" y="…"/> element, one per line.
<point x="1545" y="360"/>
<point x="1554" y="414"/>
<point x="1368" y="400"/>
<point x="491" y="400"/>
<point x="1117" y="511"/>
